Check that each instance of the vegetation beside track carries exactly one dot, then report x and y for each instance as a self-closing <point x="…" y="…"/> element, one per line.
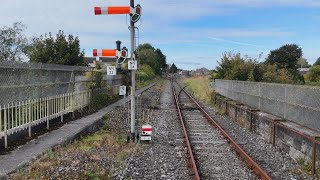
<point x="147" y="82"/>
<point x="95" y="156"/>
<point x="200" y="86"/>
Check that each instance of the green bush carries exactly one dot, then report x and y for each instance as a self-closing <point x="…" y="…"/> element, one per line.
<point x="146" y="73"/>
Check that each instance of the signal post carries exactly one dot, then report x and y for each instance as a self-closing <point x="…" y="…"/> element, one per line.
<point x="135" y="14"/>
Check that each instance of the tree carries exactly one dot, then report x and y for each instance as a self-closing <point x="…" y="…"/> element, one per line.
<point x="153" y="57"/>
<point x="145" y="46"/>
<point x="234" y="67"/>
<point x="302" y="63"/>
<point x="61" y="50"/>
<point x="173" y="69"/>
<point x="162" y="62"/>
<point x="317" y="62"/>
<point x="13" y="42"/>
<point x="146" y="72"/>
<point x="272" y="74"/>
<point x="257" y="73"/>
<point x="314" y="74"/>
<point x="286" y="56"/>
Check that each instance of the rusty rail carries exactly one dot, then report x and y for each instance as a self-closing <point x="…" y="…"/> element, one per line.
<point x="192" y="161"/>
<point x="251" y="163"/>
<point x="278" y="123"/>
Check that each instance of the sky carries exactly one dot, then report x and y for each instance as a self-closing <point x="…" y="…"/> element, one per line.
<point x="191" y="33"/>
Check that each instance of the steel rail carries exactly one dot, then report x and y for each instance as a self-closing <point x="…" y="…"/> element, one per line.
<point x="250" y="162"/>
<point x="192" y="161"/>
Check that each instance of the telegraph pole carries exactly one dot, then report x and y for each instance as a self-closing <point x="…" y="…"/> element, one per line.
<point x="133" y="78"/>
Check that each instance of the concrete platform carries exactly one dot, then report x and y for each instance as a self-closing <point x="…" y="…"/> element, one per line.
<point x="64" y="135"/>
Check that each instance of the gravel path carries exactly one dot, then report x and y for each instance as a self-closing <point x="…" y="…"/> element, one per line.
<point x="165" y="157"/>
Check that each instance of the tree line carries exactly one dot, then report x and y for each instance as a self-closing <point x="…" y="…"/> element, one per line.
<point x="280" y="66"/>
<point x="65" y="49"/>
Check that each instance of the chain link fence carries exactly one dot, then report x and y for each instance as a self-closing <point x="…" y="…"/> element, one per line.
<point x="300" y="104"/>
<point x="31" y="93"/>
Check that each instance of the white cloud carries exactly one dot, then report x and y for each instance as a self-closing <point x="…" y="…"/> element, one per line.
<point x="160" y="21"/>
<point x="234" y="42"/>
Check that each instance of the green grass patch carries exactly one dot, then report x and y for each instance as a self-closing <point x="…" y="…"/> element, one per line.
<point x="92" y="175"/>
<point x="200" y="86"/>
<point x="306" y="166"/>
<point x="142" y="84"/>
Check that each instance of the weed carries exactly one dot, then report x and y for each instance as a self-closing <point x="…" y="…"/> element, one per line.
<point x="221" y="112"/>
<point x="50" y="154"/>
<point x="307" y="166"/>
<point x="93" y="138"/>
<point x="106" y="119"/>
<point x="121" y="138"/>
<point x="84" y="148"/>
<point x="92" y="175"/>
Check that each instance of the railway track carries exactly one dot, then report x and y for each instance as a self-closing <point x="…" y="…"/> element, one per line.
<point x="212" y="153"/>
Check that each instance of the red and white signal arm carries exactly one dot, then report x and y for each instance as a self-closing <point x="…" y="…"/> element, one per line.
<point x="146" y="132"/>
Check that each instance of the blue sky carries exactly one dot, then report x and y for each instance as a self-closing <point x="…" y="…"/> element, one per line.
<point x="191" y="33"/>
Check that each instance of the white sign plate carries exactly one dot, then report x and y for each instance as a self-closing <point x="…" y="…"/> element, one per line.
<point x="132" y="65"/>
<point x="122" y="90"/>
<point x="111" y="70"/>
<point x="145" y="138"/>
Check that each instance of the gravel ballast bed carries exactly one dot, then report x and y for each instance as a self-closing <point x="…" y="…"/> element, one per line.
<point x="164" y="157"/>
<point x="277" y="164"/>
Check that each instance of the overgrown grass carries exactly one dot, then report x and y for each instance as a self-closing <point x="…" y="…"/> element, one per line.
<point x="200" y="86"/>
<point x="89" y="154"/>
<point x="308" y="83"/>
<point x="146" y="83"/>
<point x="307" y="167"/>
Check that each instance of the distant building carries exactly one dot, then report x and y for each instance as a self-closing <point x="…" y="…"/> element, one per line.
<point x="184" y="73"/>
<point x="303" y="71"/>
<point x="200" y="72"/>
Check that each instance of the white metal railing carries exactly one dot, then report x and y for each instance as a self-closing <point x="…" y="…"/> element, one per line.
<point x="19" y="116"/>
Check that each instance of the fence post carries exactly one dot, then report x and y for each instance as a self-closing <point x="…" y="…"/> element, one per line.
<point x="73" y="100"/>
<point x="23" y="112"/>
<point x="30" y="117"/>
<point x="274" y="123"/>
<point x="20" y="121"/>
<point x="47" y="110"/>
<point x="16" y="113"/>
<point x="62" y="108"/>
<point x="37" y="110"/>
<point x="40" y="112"/>
<point x="5" y="127"/>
